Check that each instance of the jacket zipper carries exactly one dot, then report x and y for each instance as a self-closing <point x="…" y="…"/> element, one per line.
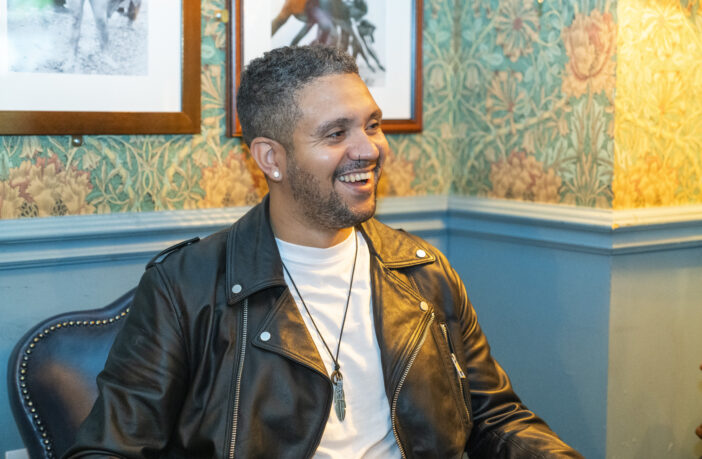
<point x="393" y="417"/>
<point x="459" y="370"/>
<point x="239" y="372"/>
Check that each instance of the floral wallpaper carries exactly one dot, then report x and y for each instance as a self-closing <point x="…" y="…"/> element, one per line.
<point x="519" y="103"/>
<point x="46" y="176"/>
<point x="658" y="133"/>
<point x="534" y="90"/>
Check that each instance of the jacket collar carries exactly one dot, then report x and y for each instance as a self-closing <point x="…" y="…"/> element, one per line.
<point x="396" y="249"/>
<point x="253" y="261"/>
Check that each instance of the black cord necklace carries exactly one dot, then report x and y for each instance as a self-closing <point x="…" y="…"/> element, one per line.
<point x="336" y="377"/>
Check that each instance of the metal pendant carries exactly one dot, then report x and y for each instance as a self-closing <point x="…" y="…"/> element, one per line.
<point x="339" y="398"/>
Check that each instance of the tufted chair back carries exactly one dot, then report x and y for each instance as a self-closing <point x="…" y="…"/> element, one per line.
<point x="52" y="372"/>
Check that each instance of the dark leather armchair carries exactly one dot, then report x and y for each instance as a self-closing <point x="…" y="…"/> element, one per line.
<point x="52" y="371"/>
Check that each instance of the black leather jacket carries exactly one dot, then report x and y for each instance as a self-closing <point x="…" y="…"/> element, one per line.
<point x="189" y="375"/>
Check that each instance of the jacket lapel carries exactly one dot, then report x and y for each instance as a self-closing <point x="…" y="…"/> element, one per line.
<point x="286" y="334"/>
<point x="253" y="264"/>
<point x="400" y="320"/>
<point x="400" y="313"/>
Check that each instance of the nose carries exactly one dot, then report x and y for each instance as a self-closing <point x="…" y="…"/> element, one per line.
<point x="367" y="147"/>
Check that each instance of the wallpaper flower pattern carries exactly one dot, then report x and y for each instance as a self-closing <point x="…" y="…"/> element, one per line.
<point x="534" y="99"/>
<point x="519" y="101"/>
<point x="659" y="115"/>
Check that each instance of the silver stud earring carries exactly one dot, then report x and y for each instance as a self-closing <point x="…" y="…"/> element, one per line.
<point x="276" y="174"/>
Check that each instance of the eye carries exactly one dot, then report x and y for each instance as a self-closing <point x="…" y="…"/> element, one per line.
<point x="373" y="126"/>
<point x="337" y="135"/>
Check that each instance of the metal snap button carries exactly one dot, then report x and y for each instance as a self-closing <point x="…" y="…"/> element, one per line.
<point x="423" y="306"/>
<point x="421" y="253"/>
<point x="236" y="288"/>
<point x="265" y="336"/>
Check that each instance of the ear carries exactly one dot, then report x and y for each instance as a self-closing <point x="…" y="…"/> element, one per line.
<point x="270" y="157"/>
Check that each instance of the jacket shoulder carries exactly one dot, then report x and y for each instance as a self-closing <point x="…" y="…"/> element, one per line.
<point x="194" y="250"/>
<point x="395" y="246"/>
<point x="163" y="254"/>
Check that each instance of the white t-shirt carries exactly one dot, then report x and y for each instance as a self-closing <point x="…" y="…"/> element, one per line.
<point x="322" y="276"/>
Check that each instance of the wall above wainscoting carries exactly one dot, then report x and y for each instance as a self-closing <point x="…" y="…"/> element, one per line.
<point x="580" y="305"/>
<point x="516" y="113"/>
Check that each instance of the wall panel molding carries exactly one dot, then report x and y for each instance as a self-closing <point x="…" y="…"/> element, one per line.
<point x="599" y="231"/>
<point x="56" y="241"/>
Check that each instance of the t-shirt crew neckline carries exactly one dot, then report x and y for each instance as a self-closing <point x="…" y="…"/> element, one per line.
<point x="318" y="256"/>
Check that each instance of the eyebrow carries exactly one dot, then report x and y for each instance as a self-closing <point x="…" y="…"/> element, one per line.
<point x="323" y="128"/>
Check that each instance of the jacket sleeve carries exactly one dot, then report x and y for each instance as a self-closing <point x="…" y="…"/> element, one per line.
<point x="503" y="426"/>
<point x="141" y="388"/>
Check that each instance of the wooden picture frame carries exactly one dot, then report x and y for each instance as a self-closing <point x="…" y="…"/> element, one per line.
<point x="173" y="40"/>
<point x="397" y="89"/>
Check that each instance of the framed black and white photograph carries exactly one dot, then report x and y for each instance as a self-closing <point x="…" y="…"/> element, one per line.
<point x="385" y="37"/>
<point x="99" y="67"/>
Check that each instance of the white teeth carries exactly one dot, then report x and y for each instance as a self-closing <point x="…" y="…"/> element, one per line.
<point x="351" y="178"/>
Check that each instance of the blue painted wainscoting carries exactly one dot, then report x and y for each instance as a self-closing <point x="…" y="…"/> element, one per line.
<point x="595" y="314"/>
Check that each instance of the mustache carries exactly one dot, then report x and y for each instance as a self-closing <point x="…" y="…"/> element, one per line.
<point x="355" y="165"/>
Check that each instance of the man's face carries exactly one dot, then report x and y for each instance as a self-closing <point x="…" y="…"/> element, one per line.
<point x="337" y="152"/>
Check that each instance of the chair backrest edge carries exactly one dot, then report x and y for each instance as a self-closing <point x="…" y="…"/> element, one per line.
<point x="29" y="424"/>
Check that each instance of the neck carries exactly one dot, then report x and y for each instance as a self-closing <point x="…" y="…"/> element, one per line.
<point x="291" y="227"/>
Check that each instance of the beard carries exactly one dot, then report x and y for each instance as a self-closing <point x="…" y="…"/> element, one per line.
<point x="326" y="210"/>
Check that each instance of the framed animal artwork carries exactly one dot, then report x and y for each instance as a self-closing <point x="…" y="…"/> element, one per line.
<point x="385" y="37"/>
<point x="99" y="67"/>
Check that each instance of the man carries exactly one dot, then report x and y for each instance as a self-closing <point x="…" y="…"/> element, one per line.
<point x="308" y="328"/>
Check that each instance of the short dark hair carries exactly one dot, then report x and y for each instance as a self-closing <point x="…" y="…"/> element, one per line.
<point x="266" y="99"/>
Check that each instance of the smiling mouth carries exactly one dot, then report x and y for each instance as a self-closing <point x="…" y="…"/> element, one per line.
<point x="356" y="177"/>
